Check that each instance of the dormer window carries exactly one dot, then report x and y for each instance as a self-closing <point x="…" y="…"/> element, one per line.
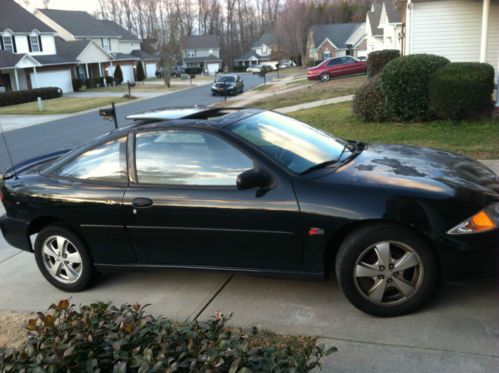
<point x="106" y="44"/>
<point x="8" y="45"/>
<point x="191" y="53"/>
<point x="34" y="42"/>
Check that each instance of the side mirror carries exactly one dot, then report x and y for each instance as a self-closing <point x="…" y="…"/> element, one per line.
<point x="253" y="179"/>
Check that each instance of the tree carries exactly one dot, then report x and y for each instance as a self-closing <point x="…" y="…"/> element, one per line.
<point x="170" y="54"/>
<point x="141" y="76"/>
<point x="118" y="75"/>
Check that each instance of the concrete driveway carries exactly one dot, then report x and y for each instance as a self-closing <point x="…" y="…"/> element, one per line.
<point x="457" y="332"/>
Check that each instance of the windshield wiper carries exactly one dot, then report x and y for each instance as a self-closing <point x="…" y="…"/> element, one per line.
<point x="319" y="166"/>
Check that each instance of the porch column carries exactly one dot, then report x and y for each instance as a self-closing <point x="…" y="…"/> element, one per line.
<point x="86" y="71"/>
<point x="100" y="70"/>
<point x="485" y="29"/>
<point x="17" y="80"/>
<point x="36" y="76"/>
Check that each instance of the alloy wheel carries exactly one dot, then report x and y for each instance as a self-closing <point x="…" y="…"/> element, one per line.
<point x="388" y="273"/>
<point x="325" y="77"/>
<point x="62" y="259"/>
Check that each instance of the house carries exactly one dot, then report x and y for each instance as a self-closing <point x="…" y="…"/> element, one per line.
<point x="107" y="44"/>
<point x="461" y="30"/>
<point x="335" y="40"/>
<point x="259" y="53"/>
<point x="202" y="51"/>
<point x="384" y="28"/>
<point x="28" y="52"/>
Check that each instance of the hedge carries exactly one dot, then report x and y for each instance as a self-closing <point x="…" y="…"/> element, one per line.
<point x="369" y="103"/>
<point x="101" y="337"/>
<point x="377" y="60"/>
<point x="405" y="83"/>
<point x="28" y="95"/>
<point x="193" y="70"/>
<point x="461" y="90"/>
<point x="118" y="75"/>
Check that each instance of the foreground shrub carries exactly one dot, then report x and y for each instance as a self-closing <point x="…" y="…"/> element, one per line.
<point x="369" y="103"/>
<point x="461" y="90"/>
<point x="105" y="338"/>
<point x="405" y="83"/>
<point x="377" y="60"/>
<point x="28" y="95"/>
<point x="193" y="70"/>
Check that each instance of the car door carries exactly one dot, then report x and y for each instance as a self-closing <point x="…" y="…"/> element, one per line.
<point x="334" y="67"/>
<point x="184" y="208"/>
<point x="352" y="66"/>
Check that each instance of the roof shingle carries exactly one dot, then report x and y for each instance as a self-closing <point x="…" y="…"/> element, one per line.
<point x="13" y="16"/>
<point x="200" y="42"/>
<point x="338" y="33"/>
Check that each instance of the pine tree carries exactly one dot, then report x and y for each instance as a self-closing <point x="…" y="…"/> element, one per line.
<point x="118" y="75"/>
<point x="141" y="76"/>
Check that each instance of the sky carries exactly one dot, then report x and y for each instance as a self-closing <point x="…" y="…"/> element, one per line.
<point x="87" y="5"/>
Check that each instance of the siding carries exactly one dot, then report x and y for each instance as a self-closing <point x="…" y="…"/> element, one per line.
<point x="452" y="29"/>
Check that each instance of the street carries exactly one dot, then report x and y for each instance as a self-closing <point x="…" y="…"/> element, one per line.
<point x="44" y="138"/>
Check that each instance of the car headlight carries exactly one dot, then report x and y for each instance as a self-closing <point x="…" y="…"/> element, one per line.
<point x="483" y="221"/>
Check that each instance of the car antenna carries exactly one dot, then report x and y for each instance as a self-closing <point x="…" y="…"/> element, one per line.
<point x="8" y="153"/>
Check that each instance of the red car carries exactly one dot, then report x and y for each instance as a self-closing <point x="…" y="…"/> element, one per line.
<point x="334" y="67"/>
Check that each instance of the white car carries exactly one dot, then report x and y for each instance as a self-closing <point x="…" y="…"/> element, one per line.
<point x="254" y="69"/>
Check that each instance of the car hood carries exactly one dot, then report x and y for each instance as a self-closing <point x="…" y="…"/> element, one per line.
<point x="416" y="168"/>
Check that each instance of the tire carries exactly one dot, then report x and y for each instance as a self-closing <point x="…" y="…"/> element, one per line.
<point x="325" y="77"/>
<point x="72" y="277"/>
<point x="363" y="275"/>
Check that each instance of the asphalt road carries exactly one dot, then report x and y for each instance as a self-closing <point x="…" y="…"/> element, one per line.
<point x="33" y="141"/>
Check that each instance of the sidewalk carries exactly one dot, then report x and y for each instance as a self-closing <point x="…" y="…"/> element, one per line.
<point x="309" y="105"/>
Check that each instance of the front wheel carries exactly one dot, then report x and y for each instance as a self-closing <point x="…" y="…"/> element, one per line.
<point x="386" y="270"/>
<point x="63" y="259"/>
<point x="325" y="76"/>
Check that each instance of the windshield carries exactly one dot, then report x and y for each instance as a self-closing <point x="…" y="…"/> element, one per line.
<point x="227" y="79"/>
<point x="294" y="144"/>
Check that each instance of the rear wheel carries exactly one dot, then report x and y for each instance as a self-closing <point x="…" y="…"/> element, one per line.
<point x="386" y="270"/>
<point x="63" y="259"/>
<point x="325" y="76"/>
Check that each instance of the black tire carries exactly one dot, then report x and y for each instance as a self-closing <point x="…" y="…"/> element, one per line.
<point x="88" y="275"/>
<point x="357" y="245"/>
<point x="325" y="76"/>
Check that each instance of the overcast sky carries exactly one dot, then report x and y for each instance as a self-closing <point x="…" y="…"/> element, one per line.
<point x="87" y="5"/>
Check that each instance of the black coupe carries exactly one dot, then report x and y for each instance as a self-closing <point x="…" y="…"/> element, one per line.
<point x="255" y="191"/>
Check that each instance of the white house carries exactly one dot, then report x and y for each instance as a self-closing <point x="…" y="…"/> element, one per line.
<point x="28" y="54"/>
<point x="260" y="52"/>
<point x="384" y="28"/>
<point x="202" y="51"/>
<point x="461" y="30"/>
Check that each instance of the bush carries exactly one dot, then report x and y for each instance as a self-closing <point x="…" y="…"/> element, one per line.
<point x="405" y="83"/>
<point x="101" y="337"/>
<point x="377" y="60"/>
<point x="461" y="90"/>
<point x="118" y="75"/>
<point x="28" y="95"/>
<point x="193" y="70"/>
<point x="369" y="103"/>
<point x="141" y="76"/>
<point x="109" y="80"/>
<point x="77" y="84"/>
<point x="239" y="69"/>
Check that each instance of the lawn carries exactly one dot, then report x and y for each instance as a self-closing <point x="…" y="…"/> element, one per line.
<point x="311" y="91"/>
<point x="62" y="105"/>
<point x="475" y="138"/>
<point x="148" y="87"/>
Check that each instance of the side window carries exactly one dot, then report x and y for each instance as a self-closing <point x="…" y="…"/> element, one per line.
<point x="106" y="162"/>
<point x="182" y="157"/>
<point x="333" y="62"/>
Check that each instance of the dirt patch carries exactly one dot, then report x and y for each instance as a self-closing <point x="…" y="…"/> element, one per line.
<point x="12" y="328"/>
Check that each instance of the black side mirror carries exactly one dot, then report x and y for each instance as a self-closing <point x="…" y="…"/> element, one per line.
<point x="253" y="179"/>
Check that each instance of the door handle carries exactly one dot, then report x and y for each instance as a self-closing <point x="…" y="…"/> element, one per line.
<point x="142" y="202"/>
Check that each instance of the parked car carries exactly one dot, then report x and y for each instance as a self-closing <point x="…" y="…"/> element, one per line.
<point x="362" y="58"/>
<point x="175" y="72"/>
<point x="255" y="191"/>
<point x="258" y="69"/>
<point x="229" y="84"/>
<point x="336" y="67"/>
<point x="284" y="64"/>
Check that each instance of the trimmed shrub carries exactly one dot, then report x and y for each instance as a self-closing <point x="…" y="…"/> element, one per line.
<point x="461" y="90"/>
<point x="141" y="76"/>
<point x="101" y="337"/>
<point x="377" y="60"/>
<point x="405" y="83"/>
<point x="369" y="103"/>
<point x="193" y="70"/>
<point x="109" y="80"/>
<point x="118" y="75"/>
<point x="77" y="84"/>
<point x="28" y="95"/>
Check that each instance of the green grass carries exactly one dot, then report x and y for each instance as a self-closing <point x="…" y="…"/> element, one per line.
<point x="123" y="88"/>
<point x="312" y="91"/>
<point x="261" y="87"/>
<point x="62" y="105"/>
<point x="475" y="138"/>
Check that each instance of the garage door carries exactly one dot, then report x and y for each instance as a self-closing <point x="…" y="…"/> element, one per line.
<point x="58" y="78"/>
<point x="150" y="70"/>
<point x="128" y="75"/>
<point x="213" y="68"/>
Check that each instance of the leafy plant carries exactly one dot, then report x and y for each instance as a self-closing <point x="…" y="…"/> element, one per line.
<point x="141" y="76"/>
<point x="377" y="60"/>
<point x="369" y="103"/>
<point x="461" y="90"/>
<point x="118" y="75"/>
<point x="404" y="81"/>
<point x="102" y="337"/>
<point x="28" y="95"/>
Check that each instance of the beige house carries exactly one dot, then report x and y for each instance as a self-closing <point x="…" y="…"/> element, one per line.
<point x="384" y="28"/>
